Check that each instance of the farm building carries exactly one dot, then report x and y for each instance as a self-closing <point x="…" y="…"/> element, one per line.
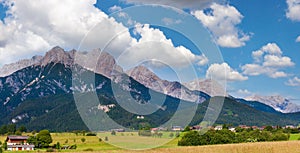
<point x="15" y="143"/>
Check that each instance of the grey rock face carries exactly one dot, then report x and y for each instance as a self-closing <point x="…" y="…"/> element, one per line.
<point x="279" y="103"/>
<point x="8" y="69"/>
<point x="174" y="89"/>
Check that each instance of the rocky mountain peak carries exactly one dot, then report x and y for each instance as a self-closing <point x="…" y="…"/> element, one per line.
<point x="13" y="67"/>
<point x="278" y="102"/>
<point x="58" y="55"/>
<point x="143" y="74"/>
<point x="209" y="86"/>
<point x="175" y="89"/>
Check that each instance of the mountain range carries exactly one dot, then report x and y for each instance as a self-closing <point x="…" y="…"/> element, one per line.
<point x="35" y="92"/>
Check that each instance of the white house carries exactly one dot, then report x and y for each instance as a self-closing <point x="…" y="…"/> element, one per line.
<point x="15" y="143"/>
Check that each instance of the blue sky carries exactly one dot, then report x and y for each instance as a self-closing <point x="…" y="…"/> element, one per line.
<point x="238" y="27"/>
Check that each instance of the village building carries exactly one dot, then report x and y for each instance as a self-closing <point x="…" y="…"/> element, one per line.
<point x="219" y="127"/>
<point x="177" y="128"/>
<point x="15" y="143"/>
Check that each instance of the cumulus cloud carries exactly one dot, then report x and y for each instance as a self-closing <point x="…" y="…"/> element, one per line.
<point x="170" y="21"/>
<point x="293" y="10"/>
<point x="32" y="27"/>
<point x="54" y="24"/>
<point x="224" y="72"/>
<point x="115" y="8"/>
<point x="298" y="39"/>
<point x="181" y="4"/>
<point x="222" y="21"/>
<point x="268" y="61"/>
<point x="293" y="82"/>
<point x="241" y="93"/>
<point x="153" y="45"/>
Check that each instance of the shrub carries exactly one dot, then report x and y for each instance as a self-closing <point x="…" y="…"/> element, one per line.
<point x="91" y="134"/>
<point x="83" y="139"/>
<point x="73" y="146"/>
<point x="50" y="150"/>
<point x="113" y="132"/>
<point x="88" y="149"/>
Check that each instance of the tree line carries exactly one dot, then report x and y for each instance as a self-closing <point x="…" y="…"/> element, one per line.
<point x="225" y="136"/>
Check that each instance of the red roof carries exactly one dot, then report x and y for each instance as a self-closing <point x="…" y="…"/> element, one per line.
<point x="17" y="138"/>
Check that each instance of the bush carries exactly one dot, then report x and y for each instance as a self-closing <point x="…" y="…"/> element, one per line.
<point x="113" y="132"/>
<point x="192" y="138"/>
<point x="50" y="150"/>
<point x="146" y="133"/>
<point x="88" y="149"/>
<point x="73" y="146"/>
<point x="83" y="139"/>
<point x="91" y="134"/>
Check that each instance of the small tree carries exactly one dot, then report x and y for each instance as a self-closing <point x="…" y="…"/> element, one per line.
<point x="44" y="138"/>
<point x="160" y="135"/>
<point x="187" y="128"/>
<point x="113" y="132"/>
<point x="66" y="141"/>
<point x="22" y="128"/>
<point x="106" y="138"/>
<point x="83" y="140"/>
<point x="4" y="146"/>
<point x="57" y="146"/>
<point x="18" y="133"/>
<point x="171" y="135"/>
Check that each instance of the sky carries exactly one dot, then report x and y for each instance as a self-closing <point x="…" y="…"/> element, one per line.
<point x="252" y="45"/>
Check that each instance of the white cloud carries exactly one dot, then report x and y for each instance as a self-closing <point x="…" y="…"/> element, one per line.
<point x="277" y="61"/>
<point x="224" y="72"/>
<point x="293" y="10"/>
<point x="272" y="48"/>
<point x="33" y="26"/>
<point x="181" y="4"/>
<point x="54" y="24"/>
<point x="293" y="82"/>
<point x="268" y="61"/>
<point x="298" y="39"/>
<point x="115" y="8"/>
<point x="241" y="93"/>
<point x="153" y="45"/>
<point x="222" y="21"/>
<point x="244" y="92"/>
<point x="202" y="60"/>
<point x="170" y="21"/>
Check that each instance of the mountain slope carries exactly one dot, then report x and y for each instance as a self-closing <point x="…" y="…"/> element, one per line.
<point x="279" y="103"/>
<point x="11" y="68"/>
<point x="174" y="89"/>
<point x="209" y="86"/>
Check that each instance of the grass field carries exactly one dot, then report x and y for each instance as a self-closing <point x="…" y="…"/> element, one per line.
<point x="294" y="136"/>
<point x="128" y="140"/>
<point x="132" y="140"/>
<point x="263" y="147"/>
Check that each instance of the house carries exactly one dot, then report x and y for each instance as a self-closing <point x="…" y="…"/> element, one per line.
<point x="177" y="128"/>
<point x="118" y="130"/>
<point x="15" y="143"/>
<point x="232" y="129"/>
<point x="219" y="127"/>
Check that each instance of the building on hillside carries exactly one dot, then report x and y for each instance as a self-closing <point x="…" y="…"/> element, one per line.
<point x="15" y="143"/>
<point x="219" y="127"/>
<point x="118" y="130"/>
<point x="177" y="128"/>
